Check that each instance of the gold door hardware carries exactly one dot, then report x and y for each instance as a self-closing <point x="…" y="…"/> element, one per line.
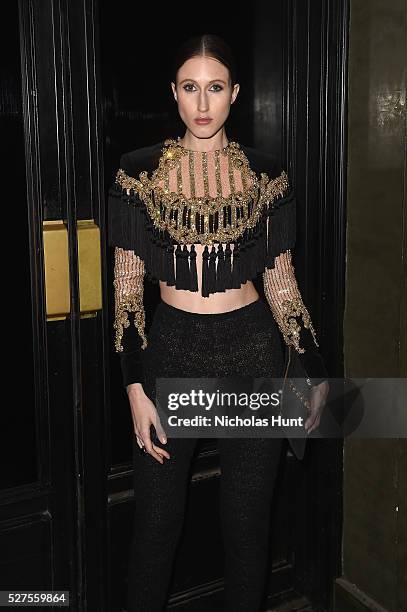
<point x="90" y="275"/>
<point x="56" y="261"/>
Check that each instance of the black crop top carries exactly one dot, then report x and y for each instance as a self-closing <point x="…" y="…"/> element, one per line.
<point x="204" y="221"/>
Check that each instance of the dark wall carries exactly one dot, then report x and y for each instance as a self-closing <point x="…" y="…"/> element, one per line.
<point x="375" y="324"/>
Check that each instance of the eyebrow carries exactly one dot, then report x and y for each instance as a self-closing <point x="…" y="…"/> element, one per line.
<point x="213" y="80"/>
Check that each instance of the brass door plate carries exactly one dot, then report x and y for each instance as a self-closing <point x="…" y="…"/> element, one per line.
<point x="56" y="261"/>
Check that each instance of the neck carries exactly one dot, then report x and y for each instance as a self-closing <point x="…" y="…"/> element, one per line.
<point x="218" y="141"/>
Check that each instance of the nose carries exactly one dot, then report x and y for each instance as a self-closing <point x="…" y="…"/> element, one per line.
<point x="203" y="102"/>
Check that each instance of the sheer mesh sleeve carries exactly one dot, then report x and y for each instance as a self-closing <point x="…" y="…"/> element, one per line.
<point x="129" y="322"/>
<point x="292" y="317"/>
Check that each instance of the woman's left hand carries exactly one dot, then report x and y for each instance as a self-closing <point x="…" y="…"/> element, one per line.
<point x="318" y="397"/>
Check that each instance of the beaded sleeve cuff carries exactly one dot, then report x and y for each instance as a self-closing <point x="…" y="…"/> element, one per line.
<point x="129" y="294"/>
<point x="292" y="317"/>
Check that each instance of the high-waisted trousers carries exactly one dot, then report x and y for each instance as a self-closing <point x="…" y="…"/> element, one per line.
<point x="181" y="344"/>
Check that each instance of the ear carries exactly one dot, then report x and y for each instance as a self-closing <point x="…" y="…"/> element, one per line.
<point x="235" y="91"/>
<point x="174" y="90"/>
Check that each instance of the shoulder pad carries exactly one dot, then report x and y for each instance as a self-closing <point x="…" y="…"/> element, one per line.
<point x="142" y="159"/>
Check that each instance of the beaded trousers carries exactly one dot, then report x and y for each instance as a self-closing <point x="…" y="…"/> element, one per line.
<point x="241" y="342"/>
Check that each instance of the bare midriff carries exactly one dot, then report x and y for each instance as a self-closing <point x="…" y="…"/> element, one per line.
<point x="192" y="301"/>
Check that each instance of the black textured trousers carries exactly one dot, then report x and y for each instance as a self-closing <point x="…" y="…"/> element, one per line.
<point x="241" y="342"/>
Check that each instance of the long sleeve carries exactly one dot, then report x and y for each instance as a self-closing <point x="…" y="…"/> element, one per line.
<point x="293" y="319"/>
<point x="129" y="322"/>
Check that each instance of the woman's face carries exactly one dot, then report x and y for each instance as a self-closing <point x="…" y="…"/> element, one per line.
<point x="203" y="90"/>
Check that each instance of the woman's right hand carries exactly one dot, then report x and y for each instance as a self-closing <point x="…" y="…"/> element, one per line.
<point x="144" y="413"/>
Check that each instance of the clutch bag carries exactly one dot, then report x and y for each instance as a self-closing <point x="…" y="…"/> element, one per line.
<point x="296" y="388"/>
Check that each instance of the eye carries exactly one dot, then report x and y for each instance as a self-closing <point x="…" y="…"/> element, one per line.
<point x="187" y="85"/>
<point x="219" y="86"/>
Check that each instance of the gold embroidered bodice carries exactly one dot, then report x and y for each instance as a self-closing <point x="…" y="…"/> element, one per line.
<point x="204" y="197"/>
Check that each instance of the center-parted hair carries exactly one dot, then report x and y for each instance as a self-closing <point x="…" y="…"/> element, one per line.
<point x="205" y="45"/>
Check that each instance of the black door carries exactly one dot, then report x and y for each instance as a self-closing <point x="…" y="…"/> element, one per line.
<point x="82" y="82"/>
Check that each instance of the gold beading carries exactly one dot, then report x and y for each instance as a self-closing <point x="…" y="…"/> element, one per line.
<point x="167" y="207"/>
<point x="129" y="294"/>
<point x="285" y="300"/>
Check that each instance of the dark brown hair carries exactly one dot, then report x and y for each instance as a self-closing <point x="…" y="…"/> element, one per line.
<point x="209" y="45"/>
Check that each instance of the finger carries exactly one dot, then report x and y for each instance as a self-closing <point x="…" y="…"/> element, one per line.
<point x="315" y="424"/>
<point x="146" y="438"/>
<point x="161" y="435"/>
<point x="137" y="433"/>
<point x="162" y="451"/>
<point x="149" y="446"/>
<point x="155" y="454"/>
<point x="310" y="421"/>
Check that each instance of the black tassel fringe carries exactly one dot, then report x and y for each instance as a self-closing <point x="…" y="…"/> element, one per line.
<point x="130" y="227"/>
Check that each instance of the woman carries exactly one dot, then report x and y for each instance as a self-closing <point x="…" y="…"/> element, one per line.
<point x="203" y="216"/>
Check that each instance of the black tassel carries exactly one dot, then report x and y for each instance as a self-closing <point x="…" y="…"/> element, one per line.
<point x="187" y="272"/>
<point x="256" y="252"/>
<point x="227" y="271"/>
<point x="178" y="258"/>
<point x="281" y="227"/>
<point x="146" y="243"/>
<point x="120" y="218"/>
<point x="169" y="268"/>
<point x="205" y="271"/>
<point x="192" y="268"/>
<point x="263" y="243"/>
<point x="244" y="253"/>
<point x="260" y="249"/>
<point x="236" y="267"/>
<point x="182" y="267"/>
<point x="249" y="258"/>
<point x="163" y="255"/>
<point x="212" y="271"/>
<point x="220" y="273"/>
